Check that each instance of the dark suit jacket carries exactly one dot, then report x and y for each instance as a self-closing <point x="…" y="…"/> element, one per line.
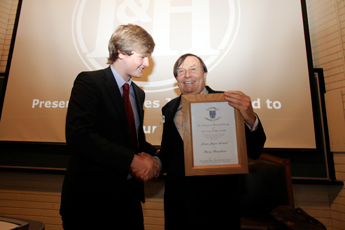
<point x="199" y="202"/>
<point x="97" y="134"/>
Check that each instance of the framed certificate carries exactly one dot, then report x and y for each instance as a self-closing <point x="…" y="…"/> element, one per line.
<point x="213" y="135"/>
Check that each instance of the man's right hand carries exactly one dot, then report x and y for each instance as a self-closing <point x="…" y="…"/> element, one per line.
<point x="144" y="167"/>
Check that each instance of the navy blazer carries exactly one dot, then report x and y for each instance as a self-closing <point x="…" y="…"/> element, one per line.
<point x="98" y="136"/>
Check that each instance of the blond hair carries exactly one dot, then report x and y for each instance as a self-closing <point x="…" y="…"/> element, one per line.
<point x="128" y="38"/>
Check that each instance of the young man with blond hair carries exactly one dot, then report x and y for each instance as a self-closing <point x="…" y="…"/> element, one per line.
<point x="100" y="190"/>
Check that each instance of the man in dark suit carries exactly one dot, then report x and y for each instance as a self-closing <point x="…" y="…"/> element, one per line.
<point x="100" y="190"/>
<point x="201" y="202"/>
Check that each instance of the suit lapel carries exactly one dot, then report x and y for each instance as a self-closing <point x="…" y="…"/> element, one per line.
<point x="115" y="95"/>
<point x="169" y="114"/>
<point x="212" y="91"/>
<point x="139" y="97"/>
<point x="171" y="110"/>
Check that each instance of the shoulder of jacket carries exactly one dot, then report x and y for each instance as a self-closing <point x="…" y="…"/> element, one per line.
<point x="171" y="102"/>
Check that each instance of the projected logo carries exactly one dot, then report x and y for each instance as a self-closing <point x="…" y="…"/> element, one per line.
<point x="207" y="28"/>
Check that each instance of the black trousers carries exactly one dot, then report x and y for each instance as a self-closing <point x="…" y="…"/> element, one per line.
<point x="126" y="214"/>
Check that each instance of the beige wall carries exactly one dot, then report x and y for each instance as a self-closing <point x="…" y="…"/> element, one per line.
<point x="8" y="10"/>
<point x="36" y="196"/>
<point x="327" y="32"/>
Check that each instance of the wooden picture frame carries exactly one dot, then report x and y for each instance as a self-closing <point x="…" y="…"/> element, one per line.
<point x="213" y="135"/>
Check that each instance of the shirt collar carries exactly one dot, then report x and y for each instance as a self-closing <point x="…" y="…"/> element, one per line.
<point x="119" y="80"/>
<point x="204" y="91"/>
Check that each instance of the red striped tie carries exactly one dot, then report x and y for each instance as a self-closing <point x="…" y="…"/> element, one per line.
<point x="130" y="117"/>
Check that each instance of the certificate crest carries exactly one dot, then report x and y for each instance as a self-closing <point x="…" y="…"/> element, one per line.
<point x="212" y="114"/>
<point x="212" y="111"/>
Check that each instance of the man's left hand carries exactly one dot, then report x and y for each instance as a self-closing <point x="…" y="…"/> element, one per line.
<point x="242" y="102"/>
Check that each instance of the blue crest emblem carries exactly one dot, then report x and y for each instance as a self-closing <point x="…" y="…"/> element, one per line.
<point x="212" y="114"/>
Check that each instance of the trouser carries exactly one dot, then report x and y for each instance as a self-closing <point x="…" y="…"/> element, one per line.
<point x="126" y="214"/>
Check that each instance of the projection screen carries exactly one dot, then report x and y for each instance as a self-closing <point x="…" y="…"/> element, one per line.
<point x="256" y="46"/>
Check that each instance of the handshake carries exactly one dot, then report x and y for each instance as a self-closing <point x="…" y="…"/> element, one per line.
<point x="144" y="167"/>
